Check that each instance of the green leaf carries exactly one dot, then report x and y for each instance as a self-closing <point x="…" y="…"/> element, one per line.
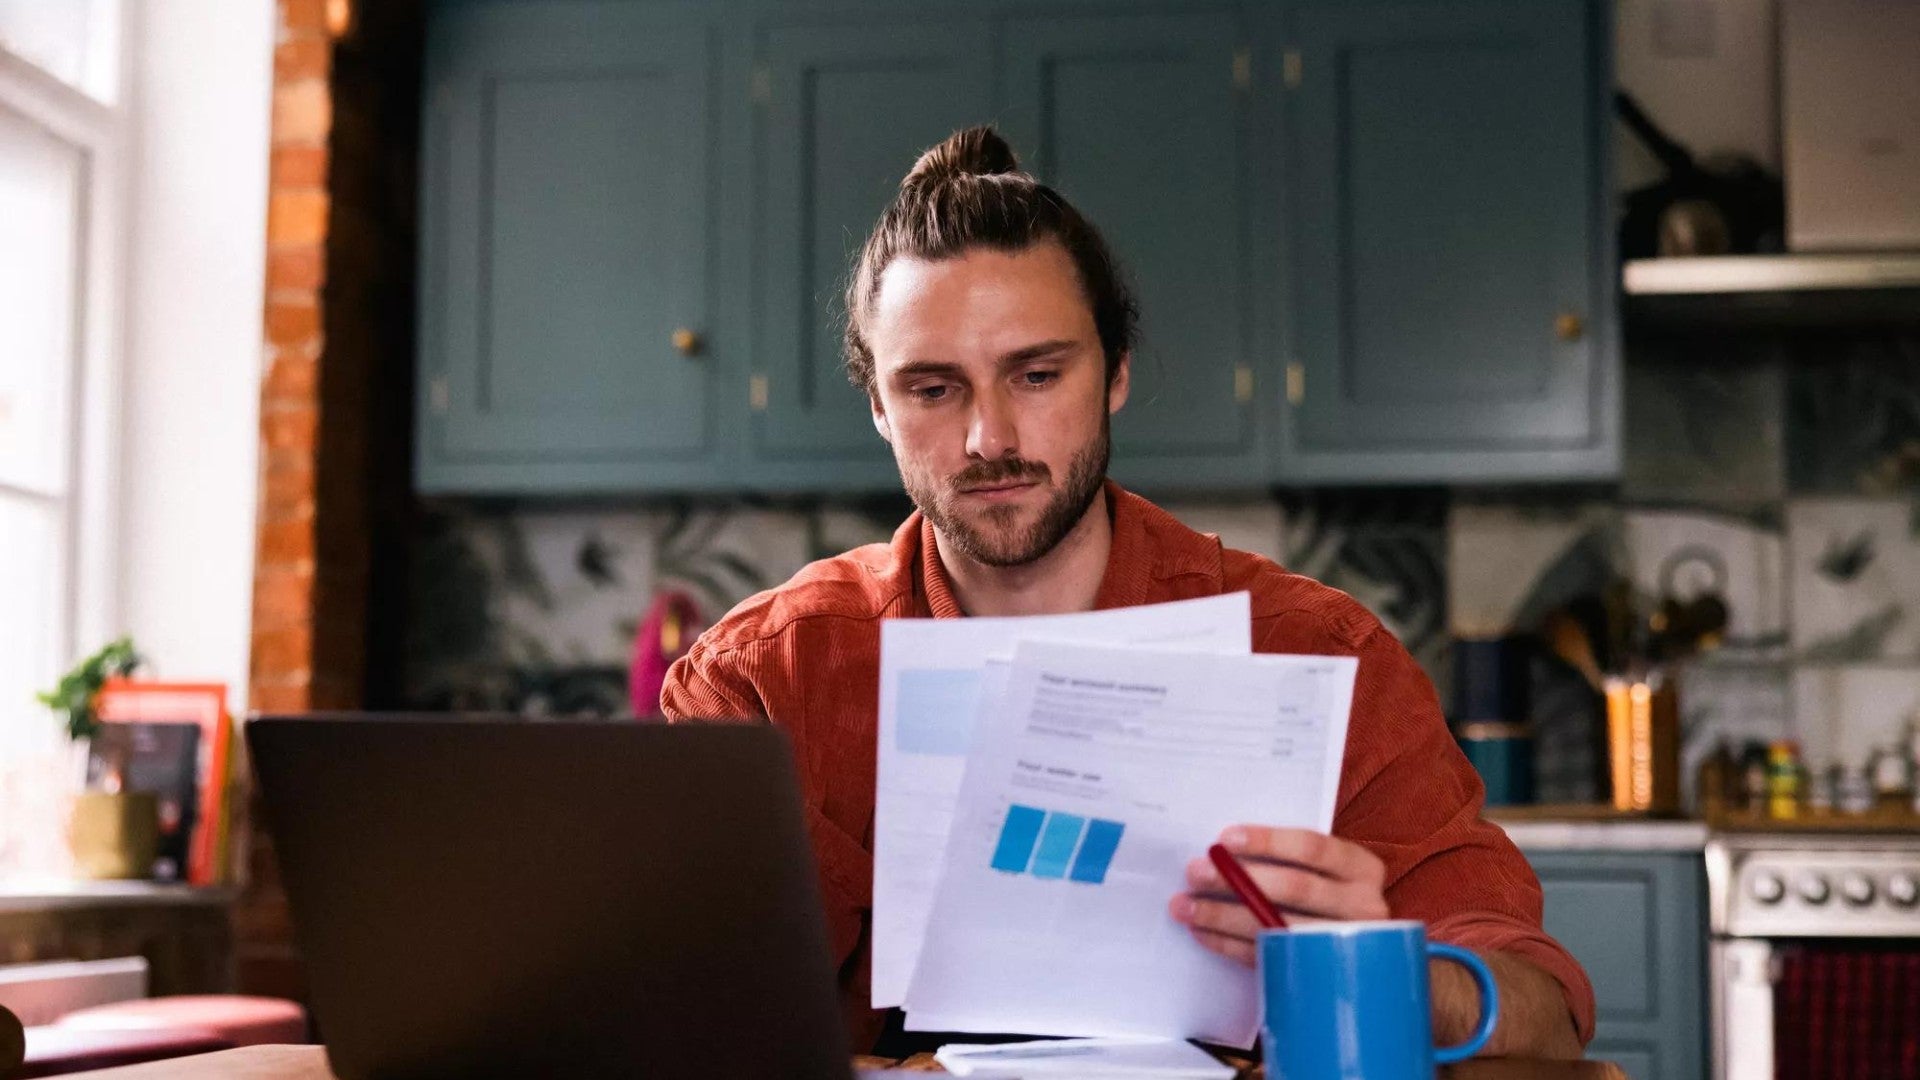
<point x="73" y="697"/>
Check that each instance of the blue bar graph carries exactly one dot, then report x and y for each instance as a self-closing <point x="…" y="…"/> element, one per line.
<point x="1054" y="845"/>
<point x="1096" y="851"/>
<point x="1016" y="838"/>
<point x="1057" y="842"/>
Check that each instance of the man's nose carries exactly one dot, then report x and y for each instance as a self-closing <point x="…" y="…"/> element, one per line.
<point x="991" y="434"/>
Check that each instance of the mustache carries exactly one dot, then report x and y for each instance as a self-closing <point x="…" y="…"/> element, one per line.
<point x="1001" y="471"/>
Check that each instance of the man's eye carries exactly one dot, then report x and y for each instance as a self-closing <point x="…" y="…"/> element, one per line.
<point x="931" y="393"/>
<point x="1038" y="378"/>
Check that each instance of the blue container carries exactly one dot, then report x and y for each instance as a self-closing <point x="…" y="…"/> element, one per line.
<point x="1502" y="753"/>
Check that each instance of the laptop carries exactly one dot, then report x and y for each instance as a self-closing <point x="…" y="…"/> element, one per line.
<point x="479" y="897"/>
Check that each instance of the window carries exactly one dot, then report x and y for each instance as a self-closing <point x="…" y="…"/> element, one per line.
<point x="62" y="131"/>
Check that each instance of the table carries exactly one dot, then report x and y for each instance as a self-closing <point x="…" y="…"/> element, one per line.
<point x="310" y="1063"/>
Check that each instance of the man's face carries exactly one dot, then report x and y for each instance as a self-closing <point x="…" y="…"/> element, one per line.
<point x="991" y="387"/>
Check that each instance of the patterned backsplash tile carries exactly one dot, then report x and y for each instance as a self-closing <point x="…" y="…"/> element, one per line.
<point x="1734" y="701"/>
<point x="1513" y="559"/>
<point x="1705" y="424"/>
<point x="1386" y="549"/>
<point x="1739" y="558"/>
<point x="1843" y="713"/>
<point x="1855" y="569"/>
<point x="1853" y="416"/>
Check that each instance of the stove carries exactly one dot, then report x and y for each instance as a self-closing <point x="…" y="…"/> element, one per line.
<point x="1814" y="962"/>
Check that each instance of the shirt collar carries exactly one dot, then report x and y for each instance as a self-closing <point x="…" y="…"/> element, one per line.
<point x="1126" y="583"/>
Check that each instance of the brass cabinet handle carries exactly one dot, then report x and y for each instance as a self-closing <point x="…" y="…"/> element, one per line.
<point x="1568" y="326"/>
<point x="687" y="343"/>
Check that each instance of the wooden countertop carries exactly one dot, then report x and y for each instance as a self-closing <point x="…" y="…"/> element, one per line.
<point x="310" y="1063"/>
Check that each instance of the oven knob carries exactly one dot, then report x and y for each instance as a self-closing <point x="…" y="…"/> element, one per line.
<point x="1766" y="887"/>
<point x="1857" y="889"/>
<point x="1903" y="890"/>
<point x="1813" y="889"/>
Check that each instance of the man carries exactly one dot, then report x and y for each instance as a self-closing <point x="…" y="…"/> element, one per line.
<point x="990" y="329"/>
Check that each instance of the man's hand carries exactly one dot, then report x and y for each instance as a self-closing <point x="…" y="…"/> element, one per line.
<point x="1313" y="877"/>
<point x="1309" y="876"/>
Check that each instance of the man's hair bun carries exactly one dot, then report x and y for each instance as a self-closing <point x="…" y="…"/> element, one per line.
<point x="968" y="192"/>
<point x="975" y="151"/>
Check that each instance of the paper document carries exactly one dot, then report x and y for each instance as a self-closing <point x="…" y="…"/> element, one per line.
<point x="1086" y="793"/>
<point x="1138" y="1059"/>
<point x="930" y="691"/>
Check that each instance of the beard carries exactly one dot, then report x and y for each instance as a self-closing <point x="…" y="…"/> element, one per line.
<point x="993" y="536"/>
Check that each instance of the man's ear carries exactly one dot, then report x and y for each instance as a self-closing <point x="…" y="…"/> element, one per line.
<point x="1121" y="382"/>
<point x="880" y="422"/>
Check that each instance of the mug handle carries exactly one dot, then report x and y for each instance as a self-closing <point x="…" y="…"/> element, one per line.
<point x="1489" y="1003"/>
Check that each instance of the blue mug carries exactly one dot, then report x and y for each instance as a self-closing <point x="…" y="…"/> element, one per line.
<point x="1349" y="1000"/>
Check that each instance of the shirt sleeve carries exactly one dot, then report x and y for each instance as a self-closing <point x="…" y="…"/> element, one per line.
<point x="1409" y="795"/>
<point x="705" y="685"/>
<point x="717" y="684"/>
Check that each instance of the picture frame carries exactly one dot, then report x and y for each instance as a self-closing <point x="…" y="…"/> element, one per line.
<point x="203" y="705"/>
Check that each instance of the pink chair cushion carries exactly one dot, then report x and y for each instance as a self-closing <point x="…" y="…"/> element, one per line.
<point x="241" y="1020"/>
<point x="53" y="1050"/>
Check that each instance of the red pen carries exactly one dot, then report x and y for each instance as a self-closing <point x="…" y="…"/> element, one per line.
<point x="1249" y="893"/>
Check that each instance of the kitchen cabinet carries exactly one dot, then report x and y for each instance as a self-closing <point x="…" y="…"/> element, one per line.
<point x="1368" y="236"/>
<point x="565" y="274"/>
<point x="1142" y="121"/>
<point x="1636" y="920"/>
<point x="1450" y="256"/>
<point x="842" y="111"/>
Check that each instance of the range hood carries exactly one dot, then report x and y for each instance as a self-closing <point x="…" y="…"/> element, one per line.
<point x="1786" y="290"/>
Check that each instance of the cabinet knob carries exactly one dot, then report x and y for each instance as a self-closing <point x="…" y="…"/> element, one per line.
<point x="687" y="343"/>
<point x="1568" y="326"/>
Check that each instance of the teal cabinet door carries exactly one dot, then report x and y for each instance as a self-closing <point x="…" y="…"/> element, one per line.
<point x="567" y="234"/>
<point x="1636" y="921"/>
<point x="1449" y="263"/>
<point x="844" y="111"/>
<point x="1141" y="121"/>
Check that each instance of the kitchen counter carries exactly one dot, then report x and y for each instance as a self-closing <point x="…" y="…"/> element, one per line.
<point x="1607" y="835"/>
<point x="1590" y="828"/>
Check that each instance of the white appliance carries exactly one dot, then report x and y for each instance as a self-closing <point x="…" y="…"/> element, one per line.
<point x="1850" y="119"/>
<point x="1814" y="954"/>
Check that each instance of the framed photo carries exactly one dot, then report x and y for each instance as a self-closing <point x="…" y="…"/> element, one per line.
<point x="154" y="750"/>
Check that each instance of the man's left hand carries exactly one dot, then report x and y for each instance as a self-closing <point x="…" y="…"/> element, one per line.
<point x="1309" y="876"/>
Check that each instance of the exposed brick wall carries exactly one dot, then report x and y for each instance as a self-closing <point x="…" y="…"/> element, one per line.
<point x="334" y="413"/>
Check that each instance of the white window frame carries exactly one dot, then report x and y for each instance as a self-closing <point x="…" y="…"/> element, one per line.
<point x="89" y="612"/>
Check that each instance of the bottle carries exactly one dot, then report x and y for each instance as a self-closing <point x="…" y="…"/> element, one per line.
<point x="1892" y="776"/>
<point x="1783" y="781"/>
<point x="1713" y="781"/>
<point x="1856" y="792"/>
<point x="1753" y="779"/>
<point x="1823" y="788"/>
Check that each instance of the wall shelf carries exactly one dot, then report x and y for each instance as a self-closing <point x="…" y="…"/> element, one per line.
<point x="1774" y="290"/>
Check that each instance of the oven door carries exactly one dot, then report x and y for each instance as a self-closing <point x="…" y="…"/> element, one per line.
<point x="1813" y="1009"/>
<point x="1741" y="994"/>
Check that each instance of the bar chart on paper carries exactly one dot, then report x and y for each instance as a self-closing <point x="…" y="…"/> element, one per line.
<point x="1052" y="844"/>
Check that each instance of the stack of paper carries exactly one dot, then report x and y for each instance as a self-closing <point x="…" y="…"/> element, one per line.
<point x="1086" y="1059"/>
<point x="1043" y="783"/>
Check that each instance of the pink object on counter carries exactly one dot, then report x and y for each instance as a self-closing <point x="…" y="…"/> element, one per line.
<point x="666" y="634"/>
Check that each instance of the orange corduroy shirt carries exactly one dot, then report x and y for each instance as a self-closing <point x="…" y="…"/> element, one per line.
<point x="807" y="656"/>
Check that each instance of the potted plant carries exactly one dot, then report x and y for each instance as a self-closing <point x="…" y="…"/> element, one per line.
<point x="114" y="833"/>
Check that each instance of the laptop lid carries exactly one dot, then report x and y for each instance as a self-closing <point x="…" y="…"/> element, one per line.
<point x="498" y="897"/>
